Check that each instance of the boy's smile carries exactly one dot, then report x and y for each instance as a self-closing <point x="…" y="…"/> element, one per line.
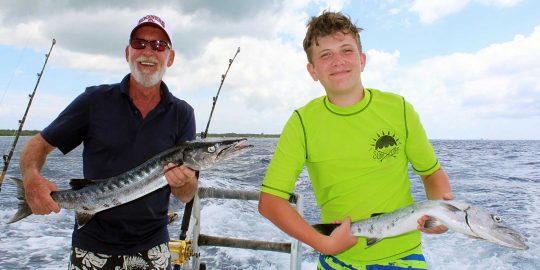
<point x="337" y="64"/>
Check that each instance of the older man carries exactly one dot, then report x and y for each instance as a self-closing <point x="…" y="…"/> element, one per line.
<point x="121" y="126"/>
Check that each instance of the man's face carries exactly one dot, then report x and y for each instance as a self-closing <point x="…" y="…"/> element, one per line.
<point x="148" y="66"/>
<point x="337" y="63"/>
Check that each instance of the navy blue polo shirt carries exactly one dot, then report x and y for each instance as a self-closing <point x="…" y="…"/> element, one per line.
<point x="116" y="139"/>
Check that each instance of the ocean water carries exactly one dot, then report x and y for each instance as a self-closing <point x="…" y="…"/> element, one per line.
<point x="502" y="176"/>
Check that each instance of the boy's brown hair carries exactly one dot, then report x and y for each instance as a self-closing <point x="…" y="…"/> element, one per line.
<point x="329" y="23"/>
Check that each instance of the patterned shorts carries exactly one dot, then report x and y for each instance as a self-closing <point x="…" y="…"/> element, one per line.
<point x="156" y="258"/>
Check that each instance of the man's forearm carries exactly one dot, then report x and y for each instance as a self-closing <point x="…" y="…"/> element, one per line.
<point x="186" y="192"/>
<point x="34" y="154"/>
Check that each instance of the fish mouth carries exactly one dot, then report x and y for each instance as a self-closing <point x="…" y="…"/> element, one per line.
<point x="499" y="234"/>
<point x="511" y="238"/>
<point x="238" y="146"/>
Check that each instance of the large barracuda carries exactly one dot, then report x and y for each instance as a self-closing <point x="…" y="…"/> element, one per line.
<point x="457" y="216"/>
<point x="88" y="197"/>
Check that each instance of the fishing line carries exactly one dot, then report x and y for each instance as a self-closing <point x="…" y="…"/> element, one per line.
<point x="14" y="71"/>
<point x="7" y="158"/>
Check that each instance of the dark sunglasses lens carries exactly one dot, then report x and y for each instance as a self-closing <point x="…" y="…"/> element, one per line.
<point x="158" y="45"/>
<point x="138" y="44"/>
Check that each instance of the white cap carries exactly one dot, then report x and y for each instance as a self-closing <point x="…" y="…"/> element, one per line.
<point x="152" y="20"/>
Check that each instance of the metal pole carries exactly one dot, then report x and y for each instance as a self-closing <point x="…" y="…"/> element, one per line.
<point x="189" y="206"/>
<point x="7" y="158"/>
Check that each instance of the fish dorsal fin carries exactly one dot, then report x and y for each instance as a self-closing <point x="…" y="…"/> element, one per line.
<point x="325" y="229"/>
<point x="82" y="218"/>
<point x="77" y="184"/>
<point x="454" y="205"/>
<point x="450" y="207"/>
<point x="372" y="241"/>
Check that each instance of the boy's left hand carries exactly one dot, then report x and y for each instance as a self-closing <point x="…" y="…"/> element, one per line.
<point x="437" y="229"/>
<point x="433" y="230"/>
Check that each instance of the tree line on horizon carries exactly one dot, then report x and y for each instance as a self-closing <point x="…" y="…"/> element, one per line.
<point x="11" y="132"/>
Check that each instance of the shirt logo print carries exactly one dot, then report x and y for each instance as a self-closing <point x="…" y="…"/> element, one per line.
<point x="385" y="145"/>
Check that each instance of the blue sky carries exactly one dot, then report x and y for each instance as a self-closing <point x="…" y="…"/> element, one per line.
<point x="469" y="67"/>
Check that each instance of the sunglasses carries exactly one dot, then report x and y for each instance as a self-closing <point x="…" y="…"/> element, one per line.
<point x="156" y="45"/>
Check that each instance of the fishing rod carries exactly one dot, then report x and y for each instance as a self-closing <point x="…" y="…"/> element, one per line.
<point x="7" y="158"/>
<point x="189" y="206"/>
<point x="214" y="99"/>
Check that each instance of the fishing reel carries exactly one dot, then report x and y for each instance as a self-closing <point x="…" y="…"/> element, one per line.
<point x="180" y="250"/>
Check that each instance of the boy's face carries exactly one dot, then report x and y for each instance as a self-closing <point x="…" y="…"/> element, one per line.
<point x="337" y="63"/>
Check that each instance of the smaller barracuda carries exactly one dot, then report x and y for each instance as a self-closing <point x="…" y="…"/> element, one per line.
<point x="88" y="197"/>
<point x="457" y="216"/>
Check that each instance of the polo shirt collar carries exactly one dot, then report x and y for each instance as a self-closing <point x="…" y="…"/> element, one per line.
<point x="166" y="96"/>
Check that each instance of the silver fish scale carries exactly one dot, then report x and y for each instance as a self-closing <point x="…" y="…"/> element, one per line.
<point x="98" y="195"/>
<point x="455" y="215"/>
<point x="397" y="222"/>
<point x="114" y="191"/>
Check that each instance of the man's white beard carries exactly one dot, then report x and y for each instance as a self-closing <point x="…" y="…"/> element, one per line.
<point x="144" y="79"/>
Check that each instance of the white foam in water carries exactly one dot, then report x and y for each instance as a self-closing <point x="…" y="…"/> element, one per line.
<point x="482" y="173"/>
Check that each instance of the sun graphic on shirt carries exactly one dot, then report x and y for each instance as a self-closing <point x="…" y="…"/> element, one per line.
<point x="385" y="144"/>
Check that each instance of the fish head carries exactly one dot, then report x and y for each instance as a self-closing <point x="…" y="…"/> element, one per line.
<point x="492" y="228"/>
<point x="205" y="153"/>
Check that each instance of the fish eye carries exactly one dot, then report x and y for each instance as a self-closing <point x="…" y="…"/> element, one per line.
<point x="497" y="219"/>
<point x="211" y="149"/>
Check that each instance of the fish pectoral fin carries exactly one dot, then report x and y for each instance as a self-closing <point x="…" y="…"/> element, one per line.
<point x="432" y="222"/>
<point x="83" y="217"/>
<point x="77" y="184"/>
<point x="474" y="237"/>
<point x="372" y="241"/>
<point x="325" y="229"/>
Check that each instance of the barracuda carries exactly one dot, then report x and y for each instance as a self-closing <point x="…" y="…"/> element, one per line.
<point x="457" y="216"/>
<point x="88" y="197"/>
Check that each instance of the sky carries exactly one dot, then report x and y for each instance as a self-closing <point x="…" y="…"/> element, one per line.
<point x="469" y="67"/>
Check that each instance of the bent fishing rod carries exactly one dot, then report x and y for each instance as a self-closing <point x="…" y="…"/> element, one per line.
<point x="214" y="99"/>
<point x="189" y="206"/>
<point x="7" y="158"/>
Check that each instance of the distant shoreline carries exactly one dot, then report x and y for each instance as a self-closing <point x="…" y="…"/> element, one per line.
<point x="11" y="132"/>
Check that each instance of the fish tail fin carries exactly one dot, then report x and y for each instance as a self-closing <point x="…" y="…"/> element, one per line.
<point x="23" y="208"/>
<point x="325" y="229"/>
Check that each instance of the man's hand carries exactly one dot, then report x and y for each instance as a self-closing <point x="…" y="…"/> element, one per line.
<point x="182" y="180"/>
<point x="37" y="191"/>
<point x="179" y="176"/>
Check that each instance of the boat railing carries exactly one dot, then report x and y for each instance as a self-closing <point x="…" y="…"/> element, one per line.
<point x="198" y="239"/>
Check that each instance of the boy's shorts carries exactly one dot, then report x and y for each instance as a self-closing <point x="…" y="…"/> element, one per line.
<point x="414" y="261"/>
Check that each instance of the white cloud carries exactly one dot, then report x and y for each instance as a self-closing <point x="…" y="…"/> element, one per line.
<point x="268" y="79"/>
<point x="429" y="11"/>
<point x="500" y="3"/>
<point x="457" y="95"/>
<point x="458" y="91"/>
